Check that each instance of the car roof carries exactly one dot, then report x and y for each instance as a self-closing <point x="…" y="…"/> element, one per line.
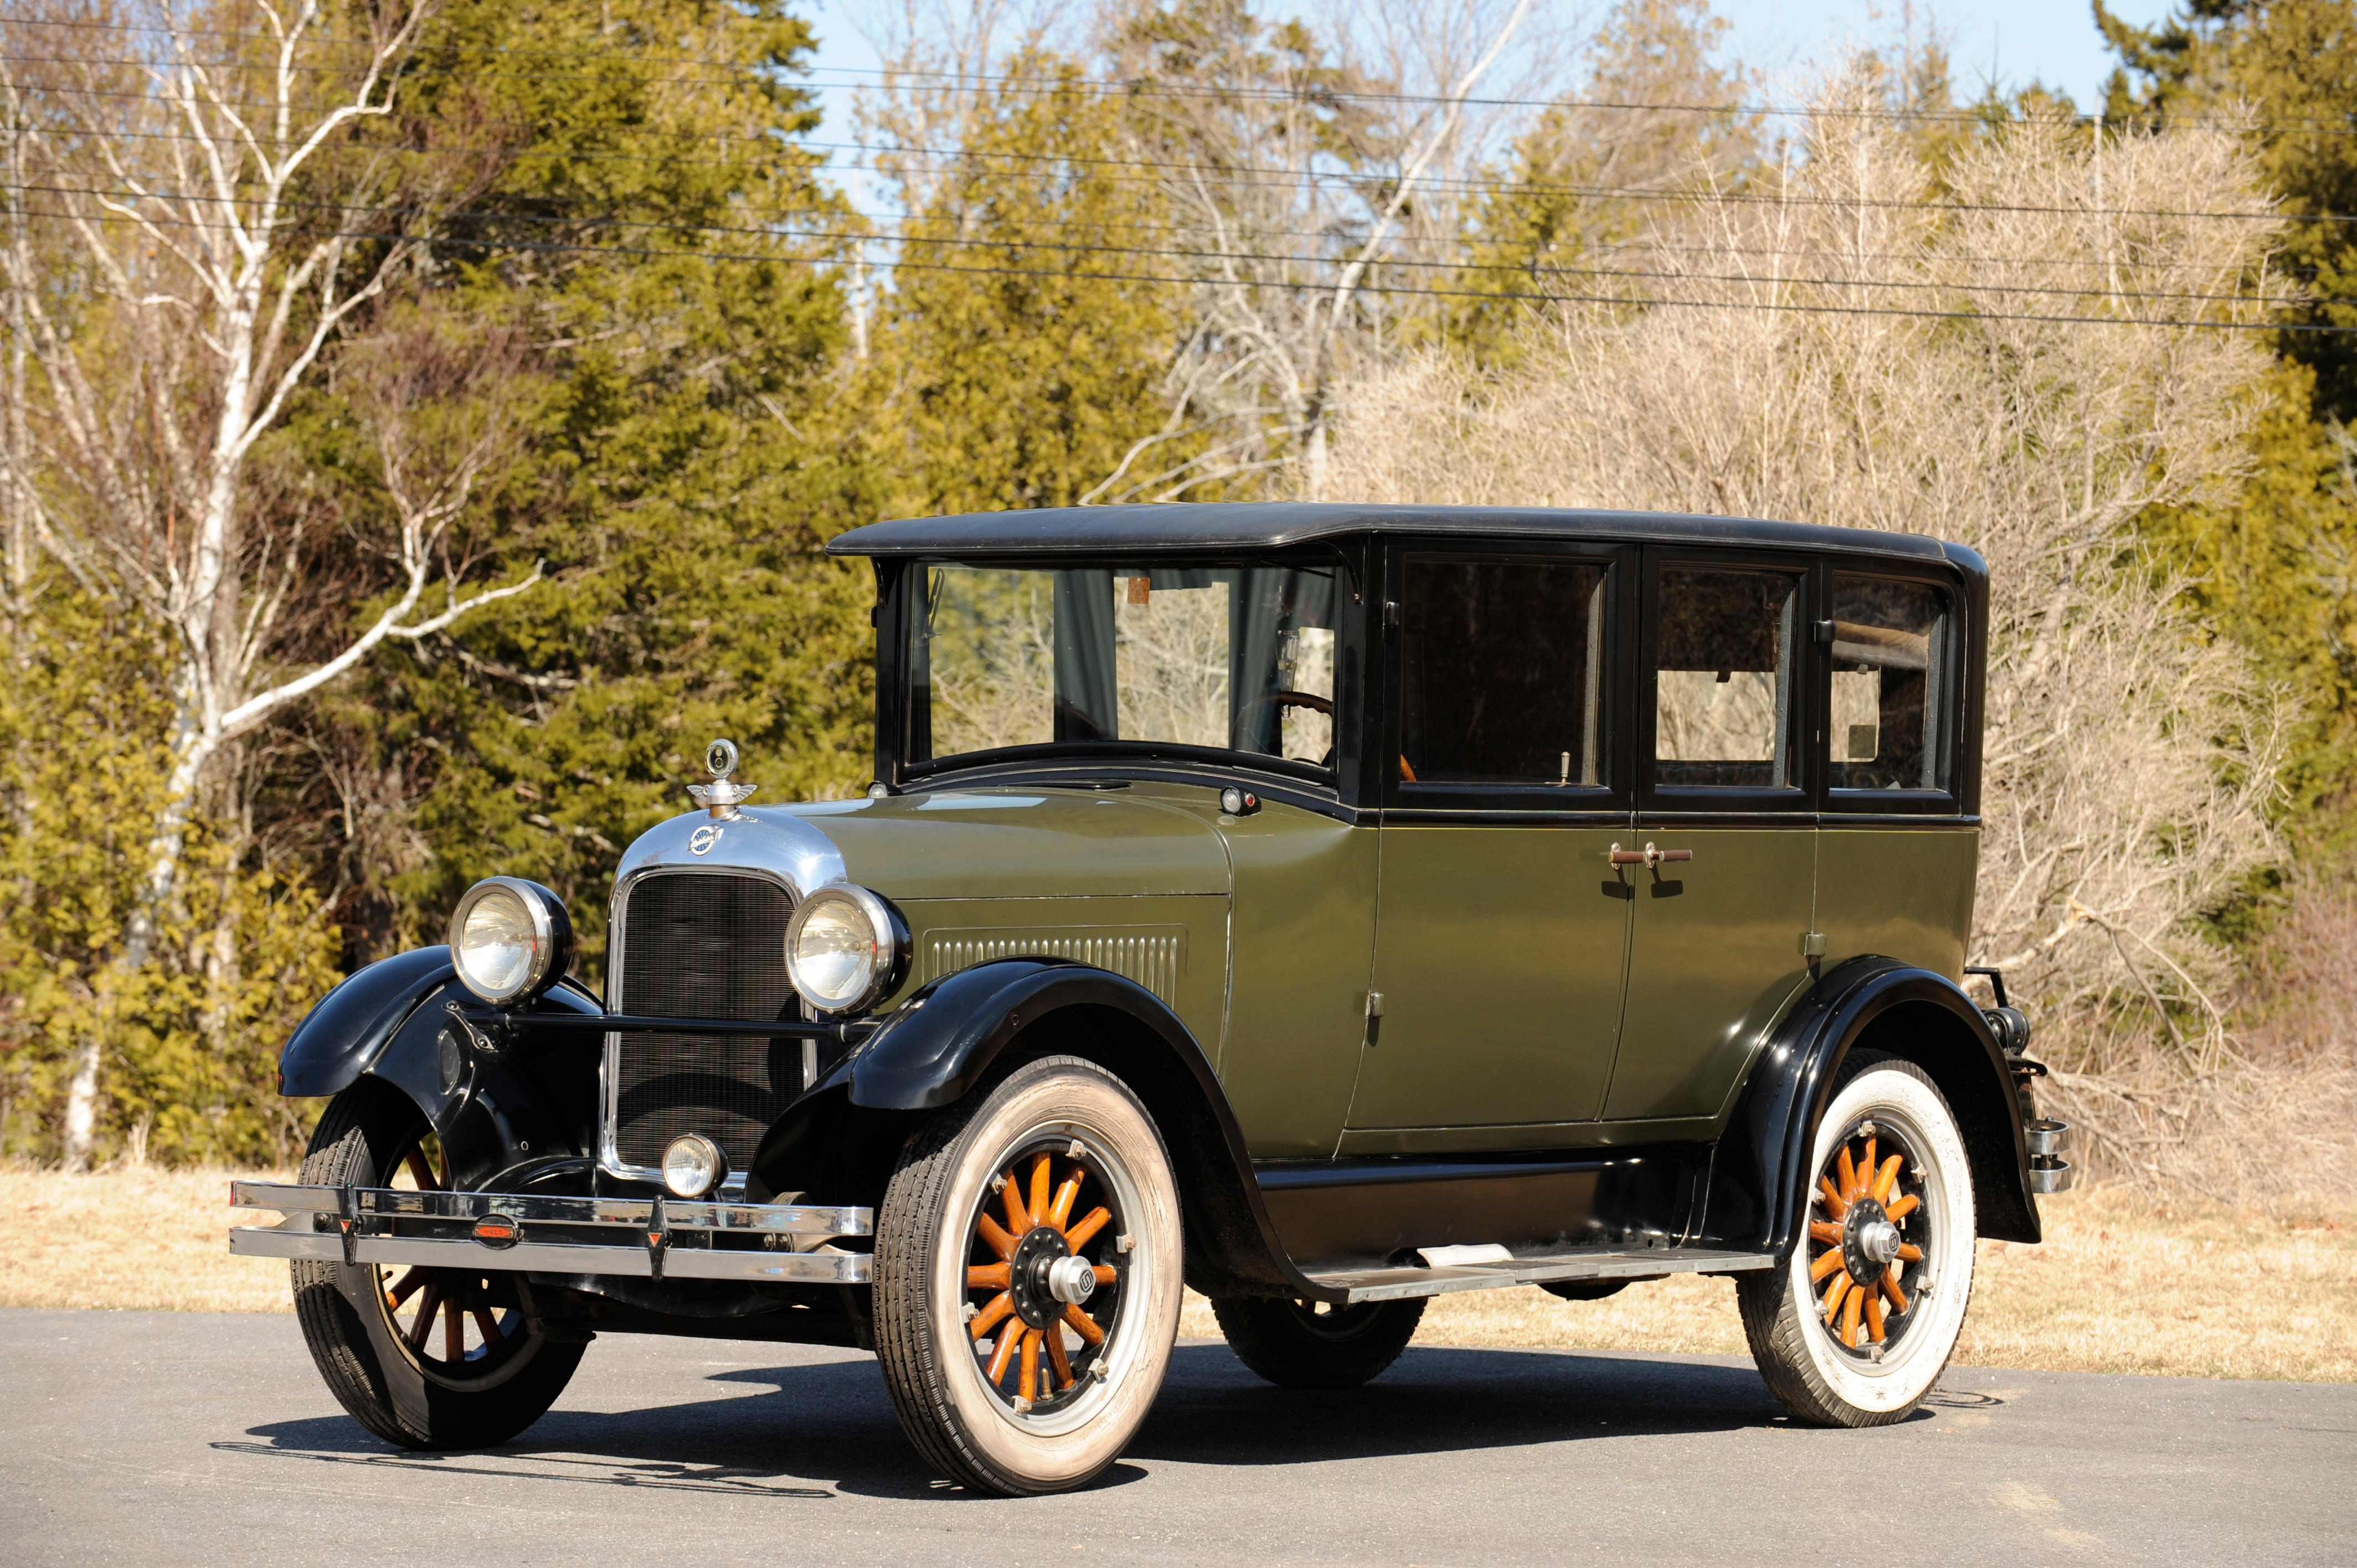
<point x="1189" y="526"/>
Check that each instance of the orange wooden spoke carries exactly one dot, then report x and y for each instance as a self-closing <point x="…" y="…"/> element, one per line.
<point x="997" y="1239"/>
<point x="1887" y="1178"/>
<point x="1866" y="1168"/>
<point x="1903" y="1207"/>
<point x="1848" y="1169"/>
<point x="1016" y="1334"/>
<point x="1911" y="1252"/>
<point x="1850" y="1304"/>
<point x="1824" y="1230"/>
<point x="1019" y="1218"/>
<point x="1026" y="1386"/>
<point x="1825" y="1264"/>
<point x="488" y="1327"/>
<point x="989" y="1276"/>
<point x="1085" y="1325"/>
<point x="1080" y="1235"/>
<point x="1040" y="1178"/>
<point x="1835" y="1204"/>
<point x="1833" y="1301"/>
<point x="1059" y="1213"/>
<point x="988" y="1318"/>
<point x="1874" y="1316"/>
<point x="1105" y="1274"/>
<point x="1056" y="1360"/>
<point x="422" y="1171"/>
<point x="1891" y="1289"/>
<point x="454" y="1331"/>
<point x="428" y="1306"/>
<point x="406" y="1286"/>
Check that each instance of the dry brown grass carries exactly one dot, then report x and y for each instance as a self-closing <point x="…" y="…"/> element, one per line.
<point x="2120" y="1285"/>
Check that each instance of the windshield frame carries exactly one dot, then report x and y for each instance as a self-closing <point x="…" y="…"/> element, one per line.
<point x="899" y="611"/>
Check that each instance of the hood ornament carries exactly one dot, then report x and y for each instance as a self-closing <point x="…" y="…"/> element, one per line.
<point x="720" y="797"/>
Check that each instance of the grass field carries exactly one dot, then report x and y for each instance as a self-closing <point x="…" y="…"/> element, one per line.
<point x="2121" y="1285"/>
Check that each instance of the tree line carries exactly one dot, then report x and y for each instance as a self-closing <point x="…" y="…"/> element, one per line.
<point x="421" y="420"/>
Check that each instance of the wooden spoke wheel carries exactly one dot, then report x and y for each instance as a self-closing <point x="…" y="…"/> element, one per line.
<point x="424" y="1357"/>
<point x="1027" y="1261"/>
<point x="1044" y="1269"/>
<point x="456" y="1327"/>
<point x="1866" y="1227"/>
<point x="1857" y="1326"/>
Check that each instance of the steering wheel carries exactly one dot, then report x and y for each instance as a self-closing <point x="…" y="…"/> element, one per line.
<point x="1283" y="700"/>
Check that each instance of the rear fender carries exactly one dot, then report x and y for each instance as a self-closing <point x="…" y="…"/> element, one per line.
<point x="1755" y="1200"/>
<point x="500" y="1110"/>
<point x="938" y="1044"/>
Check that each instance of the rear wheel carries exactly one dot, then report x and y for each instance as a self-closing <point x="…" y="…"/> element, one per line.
<point x="1297" y="1346"/>
<point x="1856" y="1328"/>
<point x="1028" y="1279"/>
<point x="424" y="1357"/>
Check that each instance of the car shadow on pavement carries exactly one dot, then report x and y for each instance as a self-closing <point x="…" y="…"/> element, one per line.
<point x="827" y="1425"/>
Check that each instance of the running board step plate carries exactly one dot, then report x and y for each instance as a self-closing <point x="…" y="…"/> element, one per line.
<point x="1535" y="1268"/>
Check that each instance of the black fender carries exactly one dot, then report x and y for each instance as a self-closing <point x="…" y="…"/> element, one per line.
<point x="936" y="1046"/>
<point x="504" y="1107"/>
<point x="1755" y="1202"/>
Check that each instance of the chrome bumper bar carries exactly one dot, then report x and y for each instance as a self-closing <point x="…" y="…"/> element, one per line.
<point x="639" y="1238"/>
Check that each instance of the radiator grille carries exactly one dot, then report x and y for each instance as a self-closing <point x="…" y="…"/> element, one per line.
<point x="1154" y="956"/>
<point x="702" y="945"/>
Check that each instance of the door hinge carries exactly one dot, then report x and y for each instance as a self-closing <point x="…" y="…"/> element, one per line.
<point x="1374" y="1004"/>
<point x="1812" y="944"/>
<point x="1822" y="630"/>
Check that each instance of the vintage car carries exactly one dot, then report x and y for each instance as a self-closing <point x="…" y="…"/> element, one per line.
<point x="1323" y="905"/>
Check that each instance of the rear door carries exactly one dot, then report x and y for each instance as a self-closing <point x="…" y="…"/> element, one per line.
<point x="1725" y="783"/>
<point x="1499" y="929"/>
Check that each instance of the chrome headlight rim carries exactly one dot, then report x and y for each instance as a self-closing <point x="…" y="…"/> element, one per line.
<point x="887" y="953"/>
<point x="552" y="939"/>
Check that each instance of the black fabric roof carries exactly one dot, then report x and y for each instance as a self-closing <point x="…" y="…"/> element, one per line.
<point x="1268" y="525"/>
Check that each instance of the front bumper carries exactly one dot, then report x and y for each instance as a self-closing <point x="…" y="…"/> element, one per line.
<point x="774" y="1244"/>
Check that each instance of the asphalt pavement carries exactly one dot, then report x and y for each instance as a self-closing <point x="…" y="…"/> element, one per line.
<point x="180" y="1437"/>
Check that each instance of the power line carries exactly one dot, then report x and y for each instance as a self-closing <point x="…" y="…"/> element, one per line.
<point x="1164" y="168"/>
<point x="1086" y="248"/>
<point x="1534" y="297"/>
<point x="1130" y="87"/>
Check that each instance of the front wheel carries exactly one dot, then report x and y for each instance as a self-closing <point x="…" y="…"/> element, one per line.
<point x="1027" y="1260"/>
<point x="1856" y="1329"/>
<point x="424" y="1357"/>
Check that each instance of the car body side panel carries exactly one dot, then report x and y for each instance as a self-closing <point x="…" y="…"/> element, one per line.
<point x="1015" y="843"/>
<point x="1900" y="892"/>
<point x="1714" y="958"/>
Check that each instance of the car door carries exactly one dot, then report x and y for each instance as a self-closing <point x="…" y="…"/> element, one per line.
<point x="1720" y="915"/>
<point x="1500" y="931"/>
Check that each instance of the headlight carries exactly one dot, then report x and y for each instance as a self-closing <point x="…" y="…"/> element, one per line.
<point x="511" y="939"/>
<point x="843" y="948"/>
<point x="693" y="1165"/>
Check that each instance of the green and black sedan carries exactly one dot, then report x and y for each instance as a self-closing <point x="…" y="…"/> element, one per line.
<point x="1319" y="906"/>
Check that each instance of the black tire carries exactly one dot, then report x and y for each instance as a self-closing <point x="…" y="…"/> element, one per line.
<point x="1297" y="1346"/>
<point x="1064" y="1153"/>
<point x="385" y="1373"/>
<point x="1839" y="1366"/>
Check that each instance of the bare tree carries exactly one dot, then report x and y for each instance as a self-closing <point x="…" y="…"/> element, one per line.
<point x="220" y="184"/>
<point x="2025" y="357"/>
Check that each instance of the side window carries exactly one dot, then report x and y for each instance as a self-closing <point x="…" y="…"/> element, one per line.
<point x="1502" y="678"/>
<point x="1890" y="685"/>
<point x="1723" y="682"/>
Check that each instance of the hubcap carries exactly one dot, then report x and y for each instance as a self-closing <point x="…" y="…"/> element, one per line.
<point x="1867" y="1234"/>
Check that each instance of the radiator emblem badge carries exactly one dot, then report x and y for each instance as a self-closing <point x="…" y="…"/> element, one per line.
<point x="700" y="841"/>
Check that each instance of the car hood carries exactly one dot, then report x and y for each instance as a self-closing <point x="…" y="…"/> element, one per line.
<point x="967" y="843"/>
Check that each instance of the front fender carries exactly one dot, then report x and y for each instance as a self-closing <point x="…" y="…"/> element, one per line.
<point x="940" y="1044"/>
<point x="1756" y="1201"/>
<point x="339" y="1040"/>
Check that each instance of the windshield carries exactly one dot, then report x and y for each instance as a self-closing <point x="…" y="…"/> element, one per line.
<point x="1238" y="658"/>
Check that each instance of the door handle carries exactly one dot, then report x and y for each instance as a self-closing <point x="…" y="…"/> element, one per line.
<point x="1649" y="856"/>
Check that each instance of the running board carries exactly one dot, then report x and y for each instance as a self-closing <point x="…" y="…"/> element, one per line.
<point x="1534" y="1268"/>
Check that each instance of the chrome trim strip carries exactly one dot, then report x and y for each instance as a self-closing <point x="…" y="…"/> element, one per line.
<point x="679" y="1263"/>
<point x="1399" y="1284"/>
